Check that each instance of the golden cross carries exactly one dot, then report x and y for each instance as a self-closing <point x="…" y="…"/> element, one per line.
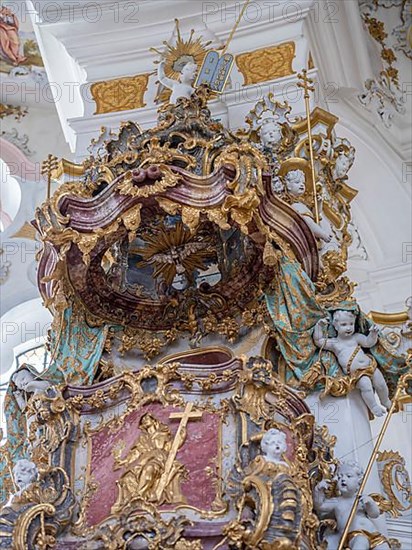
<point x="185" y="417"/>
<point x="47" y="167"/>
<point x="306" y="84"/>
<point x="187" y="414"/>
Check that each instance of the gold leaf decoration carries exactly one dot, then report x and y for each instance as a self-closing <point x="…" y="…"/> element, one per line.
<point x="190" y="217"/>
<point x="26" y="231"/>
<point x="266" y="63"/>
<point x="121" y="94"/>
<point x="11" y="110"/>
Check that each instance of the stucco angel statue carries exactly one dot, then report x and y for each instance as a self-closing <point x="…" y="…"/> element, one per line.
<point x="295" y="181"/>
<point x="363" y="533"/>
<point x="347" y="346"/>
<point x="182" y="87"/>
<point x="24" y="474"/>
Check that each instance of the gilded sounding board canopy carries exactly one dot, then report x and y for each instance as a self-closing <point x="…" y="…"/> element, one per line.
<point x="175" y="238"/>
<point x="171" y="225"/>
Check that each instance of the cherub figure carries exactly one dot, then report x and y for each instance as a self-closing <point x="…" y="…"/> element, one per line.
<point x="270" y="133"/>
<point x="342" y="164"/>
<point x="270" y="478"/>
<point x="27" y="382"/>
<point x="24" y="474"/>
<point x="347" y="346"/>
<point x="349" y="477"/>
<point x="273" y="445"/>
<point x="182" y="87"/>
<point x="295" y="182"/>
<point x="271" y="136"/>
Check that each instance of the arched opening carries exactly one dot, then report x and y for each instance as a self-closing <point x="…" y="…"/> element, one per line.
<point x="10" y="196"/>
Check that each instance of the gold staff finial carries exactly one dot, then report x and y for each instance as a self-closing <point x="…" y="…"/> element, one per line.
<point x="47" y="168"/>
<point x="307" y="85"/>
<point x="400" y="398"/>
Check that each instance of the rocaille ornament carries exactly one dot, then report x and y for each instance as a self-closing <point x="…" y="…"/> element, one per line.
<point x="213" y="255"/>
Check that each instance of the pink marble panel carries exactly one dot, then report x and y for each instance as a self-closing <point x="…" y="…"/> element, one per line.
<point x="197" y="453"/>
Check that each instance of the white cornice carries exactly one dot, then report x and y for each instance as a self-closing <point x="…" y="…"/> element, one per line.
<point x="109" y="13"/>
<point x="231" y="108"/>
<point x="341" y="52"/>
<point x="78" y="53"/>
<point x="129" y="52"/>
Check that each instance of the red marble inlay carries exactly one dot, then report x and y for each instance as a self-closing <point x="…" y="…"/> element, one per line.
<point x="197" y="453"/>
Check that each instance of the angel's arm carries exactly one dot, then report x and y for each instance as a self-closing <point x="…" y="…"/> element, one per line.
<point x="370" y="506"/>
<point x="163" y="79"/>
<point x="317" y="230"/>
<point x="319" y="336"/>
<point x="38" y="386"/>
<point x="370" y="340"/>
<point x="320" y="502"/>
<point x="132" y="456"/>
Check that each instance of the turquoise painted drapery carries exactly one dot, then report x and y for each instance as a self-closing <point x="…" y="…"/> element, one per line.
<point x="295" y="311"/>
<point x="76" y="349"/>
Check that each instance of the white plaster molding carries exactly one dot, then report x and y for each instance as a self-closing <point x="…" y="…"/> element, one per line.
<point x="382" y="289"/>
<point x="20" y="141"/>
<point x="339" y="44"/>
<point x="383" y="202"/>
<point x="78" y="53"/>
<point x="231" y="108"/>
<point x="347" y="418"/>
<point x="341" y="53"/>
<point x="17" y="161"/>
<point x="401" y="529"/>
<point x="24" y="322"/>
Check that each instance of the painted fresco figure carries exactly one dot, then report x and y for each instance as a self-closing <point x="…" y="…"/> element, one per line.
<point x="9" y="36"/>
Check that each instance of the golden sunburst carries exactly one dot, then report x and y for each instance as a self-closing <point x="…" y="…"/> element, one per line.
<point x="178" y="55"/>
<point x="173" y="252"/>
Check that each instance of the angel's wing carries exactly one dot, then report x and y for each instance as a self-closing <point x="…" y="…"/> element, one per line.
<point x="162" y="258"/>
<point x="191" y="248"/>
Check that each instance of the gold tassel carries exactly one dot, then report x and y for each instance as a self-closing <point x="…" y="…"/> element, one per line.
<point x="269" y="254"/>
